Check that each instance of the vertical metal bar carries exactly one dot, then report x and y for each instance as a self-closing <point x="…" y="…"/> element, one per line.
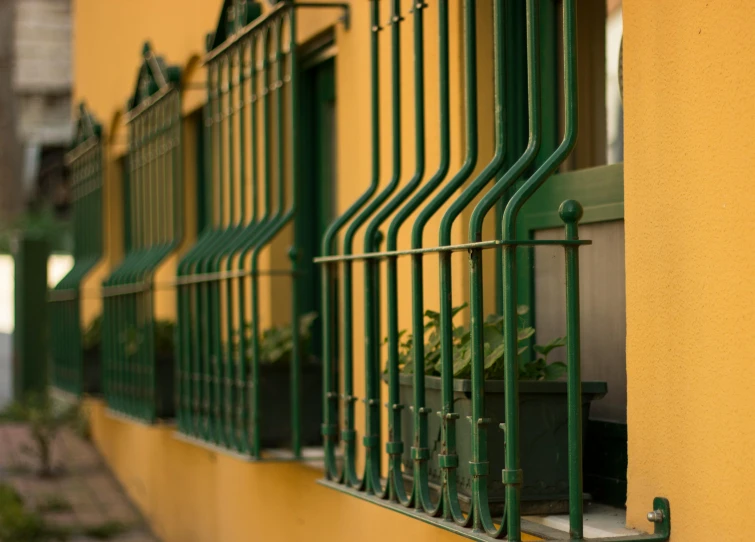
<point x="235" y="110"/>
<point x="208" y="309"/>
<point x="280" y="220"/>
<point x="245" y="371"/>
<point x="349" y="433"/>
<point x="176" y="144"/>
<point x="296" y="354"/>
<point x="571" y="212"/>
<point x="226" y="187"/>
<point x="395" y="445"/>
<point x="513" y="491"/>
<point x="330" y="317"/>
<point x="449" y="459"/>
<point x="482" y="519"/>
<point x="371" y="302"/>
<point x="256" y="442"/>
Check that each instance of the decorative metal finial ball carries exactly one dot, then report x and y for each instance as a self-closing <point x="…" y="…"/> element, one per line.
<point x="570" y="211"/>
<point x="293" y="253"/>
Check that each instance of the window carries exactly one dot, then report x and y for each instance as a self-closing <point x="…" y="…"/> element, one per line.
<point x="507" y="438"/>
<point x="75" y="368"/>
<point x="138" y="374"/>
<point x="248" y="369"/>
<point x="593" y="175"/>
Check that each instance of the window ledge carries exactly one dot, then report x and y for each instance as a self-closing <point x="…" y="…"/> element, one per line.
<point x="601" y="521"/>
<point x="120" y="416"/>
<point x="310" y="456"/>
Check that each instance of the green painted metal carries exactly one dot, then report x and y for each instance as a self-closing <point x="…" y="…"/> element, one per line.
<point x="30" y="308"/>
<point x="85" y="163"/>
<point x="138" y="378"/>
<point x="252" y="138"/>
<point x="330" y="318"/>
<point x="518" y="177"/>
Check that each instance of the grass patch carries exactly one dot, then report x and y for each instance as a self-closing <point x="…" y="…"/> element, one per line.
<point x="19" y="525"/>
<point x="105" y="531"/>
<point x="54" y="503"/>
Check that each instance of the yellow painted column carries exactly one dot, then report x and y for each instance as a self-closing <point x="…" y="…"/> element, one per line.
<point x="689" y="97"/>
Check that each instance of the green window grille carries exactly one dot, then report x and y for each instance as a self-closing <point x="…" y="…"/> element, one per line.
<point x="138" y="373"/>
<point x="237" y="390"/>
<point x="461" y="499"/>
<point x="74" y="370"/>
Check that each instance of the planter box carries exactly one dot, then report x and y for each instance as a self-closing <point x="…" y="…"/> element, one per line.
<point x="91" y="380"/>
<point x="275" y="402"/>
<point x="543" y="438"/>
<point x="165" y="376"/>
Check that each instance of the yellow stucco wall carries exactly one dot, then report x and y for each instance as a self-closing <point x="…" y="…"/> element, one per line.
<point x="689" y="94"/>
<point x="190" y="494"/>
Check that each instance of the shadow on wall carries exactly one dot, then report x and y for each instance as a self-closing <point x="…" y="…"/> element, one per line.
<point x="57" y="266"/>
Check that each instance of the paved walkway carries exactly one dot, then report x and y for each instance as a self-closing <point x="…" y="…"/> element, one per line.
<point x="84" y="497"/>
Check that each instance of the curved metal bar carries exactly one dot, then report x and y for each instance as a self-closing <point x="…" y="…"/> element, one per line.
<point x="395" y="445"/>
<point x="155" y="137"/>
<point x="275" y="226"/>
<point x="449" y="500"/>
<point x="452" y="507"/>
<point x="255" y="224"/>
<point x="233" y="235"/>
<point x="513" y="490"/>
<point x="483" y="519"/>
<point x="330" y="397"/>
<point x="371" y="298"/>
<point x="349" y="434"/>
<point x="85" y="162"/>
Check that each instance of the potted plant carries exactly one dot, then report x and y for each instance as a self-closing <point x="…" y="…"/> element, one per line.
<point x="274" y="385"/>
<point x="164" y="360"/>
<point x="542" y="411"/>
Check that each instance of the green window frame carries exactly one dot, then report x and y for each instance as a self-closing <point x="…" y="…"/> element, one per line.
<point x="138" y="364"/>
<point x="600" y="189"/>
<point x="72" y="370"/>
<point x="510" y="186"/>
<point x="232" y="394"/>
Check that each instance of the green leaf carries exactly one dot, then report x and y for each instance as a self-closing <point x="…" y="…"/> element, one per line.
<point x="493" y="319"/>
<point x="525" y="333"/>
<point x="305" y="323"/>
<point x="492" y="335"/>
<point x="495" y="355"/>
<point x="521" y="310"/>
<point x="457" y="310"/>
<point x="462" y="360"/>
<point x="432" y="315"/>
<point x="546" y="349"/>
<point x="555" y="370"/>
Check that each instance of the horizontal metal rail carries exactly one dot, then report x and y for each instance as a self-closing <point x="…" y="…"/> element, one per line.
<point x="272" y="15"/>
<point x="461" y="247"/>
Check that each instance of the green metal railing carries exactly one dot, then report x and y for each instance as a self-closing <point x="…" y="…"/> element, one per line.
<point x="70" y="370"/>
<point x="138" y="370"/>
<point x="227" y="397"/>
<point x="409" y="490"/>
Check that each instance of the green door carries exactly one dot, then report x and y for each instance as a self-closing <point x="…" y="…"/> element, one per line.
<point x="318" y="182"/>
